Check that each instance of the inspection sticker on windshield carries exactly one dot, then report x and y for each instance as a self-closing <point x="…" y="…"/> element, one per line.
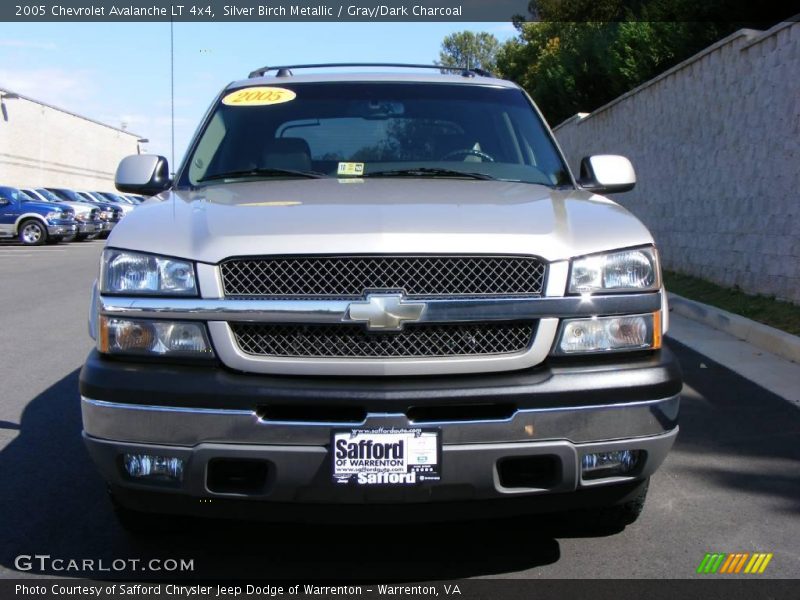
<point x="386" y="456"/>
<point x="350" y="168"/>
<point x="259" y="96"/>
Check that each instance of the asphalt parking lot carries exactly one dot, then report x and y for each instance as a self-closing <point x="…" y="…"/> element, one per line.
<point x="731" y="484"/>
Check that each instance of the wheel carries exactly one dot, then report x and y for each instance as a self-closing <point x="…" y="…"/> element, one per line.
<point x="469" y="152"/>
<point x="613" y="518"/>
<point x="146" y="524"/>
<point x="32" y="233"/>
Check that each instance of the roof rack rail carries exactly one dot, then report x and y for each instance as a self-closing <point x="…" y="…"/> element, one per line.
<point x="286" y="70"/>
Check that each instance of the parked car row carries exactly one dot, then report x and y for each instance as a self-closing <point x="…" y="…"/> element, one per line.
<point x="36" y="216"/>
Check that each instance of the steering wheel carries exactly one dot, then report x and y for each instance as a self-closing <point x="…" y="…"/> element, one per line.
<point x="469" y="152"/>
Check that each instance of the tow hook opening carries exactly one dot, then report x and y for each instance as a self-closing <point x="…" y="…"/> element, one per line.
<point x="236" y="476"/>
<point x="539" y="472"/>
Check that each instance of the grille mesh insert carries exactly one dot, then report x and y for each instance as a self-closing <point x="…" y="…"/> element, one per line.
<point x="354" y="341"/>
<point x="350" y="276"/>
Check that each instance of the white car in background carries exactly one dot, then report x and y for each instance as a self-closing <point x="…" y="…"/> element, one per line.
<point x="122" y="203"/>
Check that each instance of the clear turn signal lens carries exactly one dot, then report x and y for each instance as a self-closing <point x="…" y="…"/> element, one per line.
<point x="183" y="339"/>
<point x="610" y="334"/>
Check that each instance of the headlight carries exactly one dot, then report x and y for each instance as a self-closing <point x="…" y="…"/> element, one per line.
<point x="54" y="215"/>
<point x="610" y="334"/>
<point x="633" y="270"/>
<point x="82" y="217"/>
<point x="124" y="272"/>
<point x="141" y="337"/>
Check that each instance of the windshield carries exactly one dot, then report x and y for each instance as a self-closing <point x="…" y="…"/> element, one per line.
<point x="14" y="194"/>
<point x="48" y="195"/>
<point x="374" y="130"/>
<point x="69" y="195"/>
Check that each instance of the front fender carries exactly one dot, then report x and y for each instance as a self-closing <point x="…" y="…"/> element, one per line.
<point x="25" y="216"/>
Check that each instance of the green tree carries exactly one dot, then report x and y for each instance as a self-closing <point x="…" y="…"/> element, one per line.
<point x="469" y="49"/>
<point x="581" y="54"/>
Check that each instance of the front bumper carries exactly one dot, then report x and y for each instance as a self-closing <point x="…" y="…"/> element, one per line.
<point x="199" y="413"/>
<point x="62" y="229"/>
<point x="89" y="228"/>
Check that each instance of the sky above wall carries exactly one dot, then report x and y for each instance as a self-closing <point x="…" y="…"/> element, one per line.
<point x="119" y="73"/>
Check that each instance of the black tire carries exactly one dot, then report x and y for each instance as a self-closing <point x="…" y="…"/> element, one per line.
<point x="146" y="524"/>
<point x="613" y="518"/>
<point x="32" y="233"/>
<point x="81" y="237"/>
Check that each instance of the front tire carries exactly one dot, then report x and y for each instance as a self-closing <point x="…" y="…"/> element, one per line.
<point x="145" y="524"/>
<point x="32" y="233"/>
<point x="613" y="518"/>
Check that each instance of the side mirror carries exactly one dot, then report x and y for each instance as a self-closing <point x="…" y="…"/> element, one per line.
<point x="607" y="174"/>
<point x="143" y="174"/>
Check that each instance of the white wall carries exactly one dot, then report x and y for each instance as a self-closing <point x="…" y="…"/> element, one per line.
<point x="716" y="145"/>
<point x="43" y="146"/>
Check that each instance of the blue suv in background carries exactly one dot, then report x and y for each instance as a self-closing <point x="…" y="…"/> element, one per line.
<point x="32" y="222"/>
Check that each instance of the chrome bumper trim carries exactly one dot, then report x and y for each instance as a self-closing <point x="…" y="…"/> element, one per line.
<point x="62" y="229"/>
<point x="192" y="426"/>
<point x="335" y="311"/>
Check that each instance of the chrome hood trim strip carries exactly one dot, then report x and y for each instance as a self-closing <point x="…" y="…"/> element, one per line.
<point x="335" y="311"/>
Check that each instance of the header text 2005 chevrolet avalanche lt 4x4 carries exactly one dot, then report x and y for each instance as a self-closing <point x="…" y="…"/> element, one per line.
<point x="369" y="289"/>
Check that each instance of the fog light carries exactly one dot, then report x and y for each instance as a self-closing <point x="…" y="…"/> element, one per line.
<point x="610" y="464"/>
<point x="153" y="467"/>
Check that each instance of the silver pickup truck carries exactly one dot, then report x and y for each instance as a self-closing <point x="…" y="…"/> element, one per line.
<point x="371" y="291"/>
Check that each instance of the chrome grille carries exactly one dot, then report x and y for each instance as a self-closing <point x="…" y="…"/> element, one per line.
<point x="350" y="276"/>
<point x="354" y="341"/>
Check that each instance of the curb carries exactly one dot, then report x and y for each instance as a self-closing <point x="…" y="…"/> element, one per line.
<point x="762" y="336"/>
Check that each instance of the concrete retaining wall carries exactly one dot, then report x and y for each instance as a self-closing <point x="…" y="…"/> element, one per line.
<point x="716" y="145"/>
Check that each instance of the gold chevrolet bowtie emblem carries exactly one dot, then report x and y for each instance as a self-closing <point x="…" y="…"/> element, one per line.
<point x="385" y="312"/>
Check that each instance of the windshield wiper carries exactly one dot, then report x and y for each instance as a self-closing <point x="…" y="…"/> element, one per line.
<point x="261" y="172"/>
<point x="428" y="172"/>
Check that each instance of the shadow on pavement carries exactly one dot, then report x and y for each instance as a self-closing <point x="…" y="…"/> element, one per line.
<point x="726" y="418"/>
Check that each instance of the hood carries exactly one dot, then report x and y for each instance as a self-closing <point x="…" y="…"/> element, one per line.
<point x="358" y="216"/>
<point x="43" y="207"/>
<point x="78" y="207"/>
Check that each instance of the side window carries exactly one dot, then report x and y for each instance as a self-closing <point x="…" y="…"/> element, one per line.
<point x="7" y="196"/>
<point x="207" y="147"/>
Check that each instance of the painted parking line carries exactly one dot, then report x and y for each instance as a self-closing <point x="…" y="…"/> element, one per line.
<point x="37" y="251"/>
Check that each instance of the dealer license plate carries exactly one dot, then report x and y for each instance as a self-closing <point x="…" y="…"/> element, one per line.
<point x="394" y="457"/>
